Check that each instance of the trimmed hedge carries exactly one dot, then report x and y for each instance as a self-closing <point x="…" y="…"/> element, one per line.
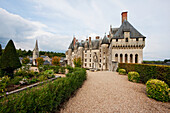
<point x="158" y="90"/>
<point x="122" y="71"/>
<point x="148" y="71"/>
<point x="133" y="76"/>
<point x="45" y="98"/>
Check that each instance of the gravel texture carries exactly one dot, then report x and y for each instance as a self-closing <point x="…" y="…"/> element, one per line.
<point x="109" y="92"/>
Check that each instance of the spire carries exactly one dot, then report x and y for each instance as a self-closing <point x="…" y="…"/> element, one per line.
<point x="36" y="45"/>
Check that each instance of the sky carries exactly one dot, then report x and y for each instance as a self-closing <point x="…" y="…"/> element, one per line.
<point x="54" y="23"/>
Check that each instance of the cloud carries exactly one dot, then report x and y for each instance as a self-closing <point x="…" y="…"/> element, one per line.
<point x="24" y="33"/>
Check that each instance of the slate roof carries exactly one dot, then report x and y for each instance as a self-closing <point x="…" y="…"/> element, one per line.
<point x="127" y="27"/>
<point x="105" y="40"/>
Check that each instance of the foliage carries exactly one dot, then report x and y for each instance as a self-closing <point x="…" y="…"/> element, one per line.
<point x="56" y="61"/>
<point x="49" y="73"/>
<point x="153" y="62"/>
<point x="122" y="71"/>
<point x="44" y="98"/>
<point x="77" y="62"/>
<point x="42" y="78"/>
<point x="133" y="76"/>
<point x="148" y="71"/>
<point x="158" y="90"/>
<point x="56" y="69"/>
<point x="0" y="50"/>
<point x="10" y="60"/>
<point x="25" y="60"/>
<point x="70" y="69"/>
<point x="3" y="83"/>
<point x="166" y="60"/>
<point x="33" y="80"/>
<point x="62" y="70"/>
<point x="40" y="61"/>
<point x="15" y="80"/>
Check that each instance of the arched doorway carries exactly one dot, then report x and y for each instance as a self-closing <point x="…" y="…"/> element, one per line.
<point x="136" y="58"/>
<point x="126" y="58"/>
<point x="116" y="57"/>
<point x="131" y="58"/>
<point x="121" y="58"/>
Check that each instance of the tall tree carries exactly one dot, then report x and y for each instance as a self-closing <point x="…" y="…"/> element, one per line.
<point x="40" y="61"/>
<point x="25" y="60"/>
<point x="10" y="60"/>
<point x="56" y="61"/>
<point x="0" y="50"/>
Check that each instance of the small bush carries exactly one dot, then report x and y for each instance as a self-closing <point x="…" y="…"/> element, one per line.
<point x="15" y="80"/>
<point x="42" y="78"/>
<point x="122" y="71"/>
<point x="70" y="69"/>
<point x="49" y="73"/>
<point x="133" y="76"/>
<point x="3" y="83"/>
<point x="33" y="80"/>
<point x="62" y="70"/>
<point x="158" y="90"/>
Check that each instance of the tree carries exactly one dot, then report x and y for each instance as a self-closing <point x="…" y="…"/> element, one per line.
<point x="77" y="62"/>
<point x="0" y="50"/>
<point x="25" y="60"/>
<point x="56" y="61"/>
<point x="10" y="60"/>
<point x="40" y="61"/>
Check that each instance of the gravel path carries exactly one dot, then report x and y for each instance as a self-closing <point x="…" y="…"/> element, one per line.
<point x="109" y="92"/>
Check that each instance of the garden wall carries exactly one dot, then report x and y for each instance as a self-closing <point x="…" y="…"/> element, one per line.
<point x="148" y="71"/>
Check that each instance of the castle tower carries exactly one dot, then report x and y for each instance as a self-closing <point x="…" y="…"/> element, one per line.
<point x="35" y="53"/>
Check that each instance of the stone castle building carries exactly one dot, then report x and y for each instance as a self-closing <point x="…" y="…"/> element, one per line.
<point x="124" y="44"/>
<point x="35" y="53"/>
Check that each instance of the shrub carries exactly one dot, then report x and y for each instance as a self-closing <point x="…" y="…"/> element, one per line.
<point x="56" y="69"/>
<point x="149" y="71"/>
<point x="3" y="83"/>
<point x="122" y="71"/>
<point x="133" y="76"/>
<point x="62" y="70"/>
<point x="15" y="80"/>
<point x="49" y="73"/>
<point x="158" y="90"/>
<point x="44" y="98"/>
<point x="70" y="69"/>
<point x="42" y="78"/>
<point x="33" y="80"/>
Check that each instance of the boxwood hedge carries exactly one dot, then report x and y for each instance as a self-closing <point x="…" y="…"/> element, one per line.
<point x="45" y="98"/>
<point x="149" y="71"/>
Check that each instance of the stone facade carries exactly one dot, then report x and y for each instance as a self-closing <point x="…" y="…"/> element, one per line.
<point x="124" y="44"/>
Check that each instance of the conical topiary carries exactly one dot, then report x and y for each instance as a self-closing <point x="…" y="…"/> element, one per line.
<point x="10" y="60"/>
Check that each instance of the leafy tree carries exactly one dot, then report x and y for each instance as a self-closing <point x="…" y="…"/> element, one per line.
<point x="56" y="61"/>
<point x="25" y="60"/>
<point x="10" y="60"/>
<point x="77" y="62"/>
<point x="40" y="61"/>
<point x="0" y="50"/>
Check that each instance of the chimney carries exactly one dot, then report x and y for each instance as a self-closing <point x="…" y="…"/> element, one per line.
<point x="124" y="16"/>
<point x="108" y="36"/>
<point x="77" y="40"/>
<point x="89" y="40"/>
<point x="74" y="41"/>
<point x="97" y="37"/>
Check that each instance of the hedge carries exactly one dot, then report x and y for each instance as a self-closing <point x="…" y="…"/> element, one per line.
<point x="149" y="71"/>
<point x="45" y="98"/>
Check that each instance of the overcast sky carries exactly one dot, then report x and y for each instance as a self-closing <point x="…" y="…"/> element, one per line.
<point x="54" y="22"/>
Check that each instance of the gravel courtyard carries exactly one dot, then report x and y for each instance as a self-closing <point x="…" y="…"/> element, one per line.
<point x="109" y="92"/>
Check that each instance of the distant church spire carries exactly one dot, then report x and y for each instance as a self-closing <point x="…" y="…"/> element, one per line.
<point x="35" y="53"/>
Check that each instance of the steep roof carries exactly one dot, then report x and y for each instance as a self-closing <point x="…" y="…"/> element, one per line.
<point x="127" y="27"/>
<point x="105" y="40"/>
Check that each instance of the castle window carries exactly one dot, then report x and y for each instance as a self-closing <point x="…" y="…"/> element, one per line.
<point x="137" y="39"/>
<point x="100" y="50"/>
<point x="89" y="65"/>
<point x="100" y="55"/>
<point x="143" y="39"/>
<point x="85" y="55"/>
<point x="90" y="55"/>
<point x="85" y="51"/>
<point x="126" y="39"/>
<point x="100" y="60"/>
<point x="85" y="64"/>
<point x="85" y="60"/>
<point x="116" y="40"/>
<point x="90" y="60"/>
<point x="99" y="65"/>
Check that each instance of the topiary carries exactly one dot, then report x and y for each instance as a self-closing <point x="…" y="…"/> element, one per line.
<point x="158" y="90"/>
<point x="133" y="76"/>
<point x="122" y="71"/>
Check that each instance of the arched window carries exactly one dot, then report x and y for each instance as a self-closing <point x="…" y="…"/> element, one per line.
<point x="116" y="57"/>
<point x="136" y="58"/>
<point x="126" y="58"/>
<point x="121" y="58"/>
<point x="131" y="58"/>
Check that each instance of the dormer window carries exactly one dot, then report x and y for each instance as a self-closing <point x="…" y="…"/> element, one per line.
<point x="116" y="40"/>
<point x="126" y="39"/>
<point x="137" y="39"/>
